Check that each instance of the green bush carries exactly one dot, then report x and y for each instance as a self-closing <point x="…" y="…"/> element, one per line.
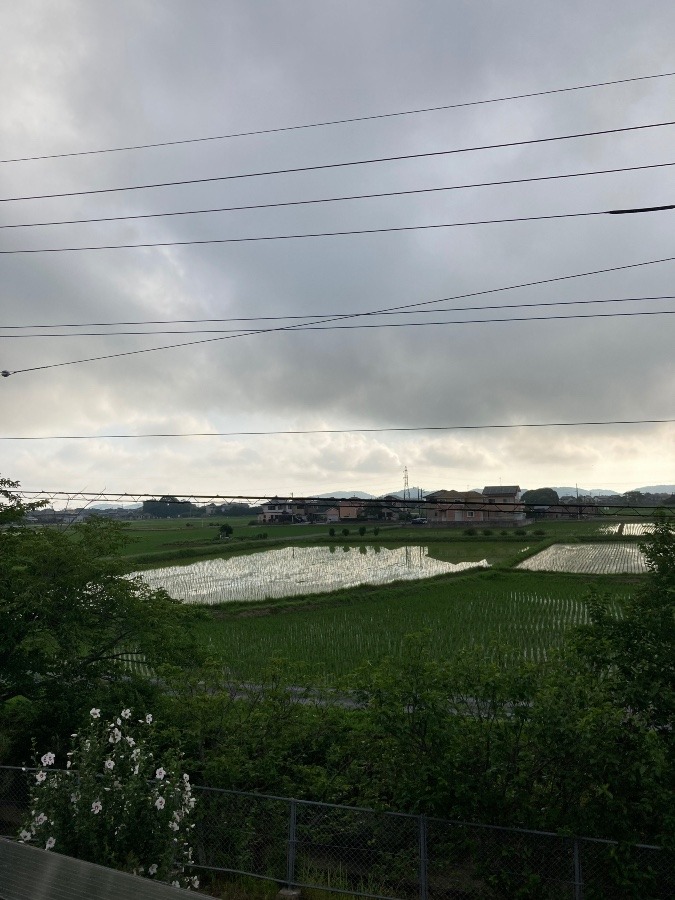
<point x="470" y="531"/>
<point x="362" y="530"/>
<point x="345" y="531"/>
<point x="331" y="532"/>
<point x="487" y="531"/>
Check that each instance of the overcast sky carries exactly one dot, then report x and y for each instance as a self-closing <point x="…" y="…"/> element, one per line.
<point x="80" y="75"/>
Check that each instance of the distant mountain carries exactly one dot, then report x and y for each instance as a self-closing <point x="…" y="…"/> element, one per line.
<point x="585" y="492"/>
<point x="413" y="493"/>
<point x="344" y="495"/>
<point x="657" y="489"/>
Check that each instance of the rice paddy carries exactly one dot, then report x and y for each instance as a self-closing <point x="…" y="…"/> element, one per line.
<point x="588" y="559"/>
<point x="630" y="529"/>
<point x="295" y="571"/>
<point x="454" y="615"/>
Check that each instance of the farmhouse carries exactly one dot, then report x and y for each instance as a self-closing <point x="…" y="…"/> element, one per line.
<point x="454" y="507"/>
<point x="281" y="511"/>
<point x="496" y="505"/>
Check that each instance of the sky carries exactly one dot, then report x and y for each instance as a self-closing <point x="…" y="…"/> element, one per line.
<point x="81" y="76"/>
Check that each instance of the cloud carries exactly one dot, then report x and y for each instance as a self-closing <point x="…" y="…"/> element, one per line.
<point x="87" y="78"/>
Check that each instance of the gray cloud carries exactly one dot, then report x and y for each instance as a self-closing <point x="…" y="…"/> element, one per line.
<point x="83" y="76"/>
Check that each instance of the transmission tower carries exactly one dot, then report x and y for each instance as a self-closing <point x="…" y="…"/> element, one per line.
<point x="406" y="487"/>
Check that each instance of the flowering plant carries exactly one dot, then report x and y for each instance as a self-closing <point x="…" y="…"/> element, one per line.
<point x="113" y="804"/>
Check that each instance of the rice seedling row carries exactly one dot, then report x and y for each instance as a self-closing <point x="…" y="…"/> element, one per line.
<point x="588" y="559"/>
<point x="335" y="641"/>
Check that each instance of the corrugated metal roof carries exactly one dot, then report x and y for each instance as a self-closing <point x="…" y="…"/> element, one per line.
<point x="30" y="873"/>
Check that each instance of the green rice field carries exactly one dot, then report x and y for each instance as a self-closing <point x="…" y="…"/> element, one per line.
<point x="526" y="614"/>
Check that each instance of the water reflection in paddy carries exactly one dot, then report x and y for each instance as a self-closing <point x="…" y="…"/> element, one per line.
<point x="297" y="570"/>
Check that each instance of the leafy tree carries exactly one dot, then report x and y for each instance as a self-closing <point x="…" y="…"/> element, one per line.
<point x="636" y="653"/>
<point x="70" y="618"/>
<point x="541" y="497"/>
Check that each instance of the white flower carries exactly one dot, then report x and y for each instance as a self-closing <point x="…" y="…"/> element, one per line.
<point x="152" y="869"/>
<point x="175" y="884"/>
<point x="96" y="807"/>
<point x="135" y="770"/>
<point x="186" y="778"/>
<point x="130" y="741"/>
<point x="68" y="764"/>
<point x="195" y="881"/>
<point x="160" y="802"/>
<point x="148" y="719"/>
<point x="160" y="773"/>
<point x="74" y="798"/>
<point x="126" y="713"/>
<point x="50" y="843"/>
<point x="41" y="819"/>
<point x="48" y="759"/>
<point x="109" y="764"/>
<point x="136" y="753"/>
<point x="115" y="737"/>
<point x="25" y="835"/>
<point x="173" y="826"/>
<point x="40" y="777"/>
<point x="95" y="713"/>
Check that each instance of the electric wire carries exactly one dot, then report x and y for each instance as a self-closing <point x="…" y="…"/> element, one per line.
<point x="558" y="278"/>
<point x="347" y="197"/>
<point x="333" y="327"/>
<point x="301" y="431"/>
<point x="340" y="165"/>
<point x="404" y="312"/>
<point x="344" y="233"/>
<point x="353" y="119"/>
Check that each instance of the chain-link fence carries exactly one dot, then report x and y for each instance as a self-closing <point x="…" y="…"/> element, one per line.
<point x="341" y="849"/>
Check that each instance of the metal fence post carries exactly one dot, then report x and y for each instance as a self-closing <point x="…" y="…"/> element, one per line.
<point x="424" y="858"/>
<point x="292" y="842"/>
<point x="578" y="882"/>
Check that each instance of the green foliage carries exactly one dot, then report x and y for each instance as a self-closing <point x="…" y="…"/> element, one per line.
<point x="225" y="530"/>
<point x="345" y="532"/>
<point x="69" y="620"/>
<point x="362" y="530"/>
<point x="636" y="653"/>
<point x="540" y="497"/>
<point x="114" y="804"/>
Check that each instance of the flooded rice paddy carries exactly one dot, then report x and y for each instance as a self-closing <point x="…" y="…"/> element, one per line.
<point x="588" y="559"/>
<point x="293" y="571"/>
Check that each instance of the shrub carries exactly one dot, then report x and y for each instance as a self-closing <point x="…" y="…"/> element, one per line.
<point x="113" y="805"/>
<point x="345" y="531"/>
<point x="331" y="532"/>
<point x="520" y="531"/>
<point x="376" y="531"/>
<point x="470" y="531"/>
<point x="487" y="531"/>
<point x="362" y="530"/>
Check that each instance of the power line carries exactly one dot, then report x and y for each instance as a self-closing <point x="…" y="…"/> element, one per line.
<point x="333" y="327"/>
<point x="322" y="234"/>
<point x="378" y="195"/>
<point x="6" y="373"/>
<point x="353" y="119"/>
<point x="98" y="437"/>
<point x="404" y="312"/>
<point x="339" y="165"/>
